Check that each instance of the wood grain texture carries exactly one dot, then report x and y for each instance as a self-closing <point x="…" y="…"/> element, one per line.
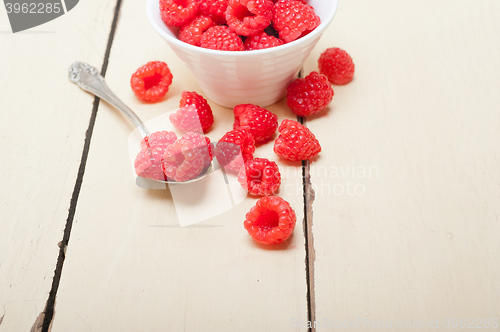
<point x="406" y="214"/>
<point x="43" y="120"/>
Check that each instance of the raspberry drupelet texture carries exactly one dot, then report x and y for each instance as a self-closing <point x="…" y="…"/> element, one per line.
<point x="260" y="177"/>
<point x="178" y="12"/>
<point x="261" y="41"/>
<point x="194" y="113"/>
<point x="309" y="95"/>
<point x="234" y="149"/>
<point x="271" y="221"/>
<point x="296" y="142"/>
<point x="186" y="158"/>
<point x="148" y="164"/>
<point x="191" y="33"/>
<point x="293" y="19"/>
<point x="337" y="65"/>
<point x="256" y="120"/>
<point x="215" y="9"/>
<point x="151" y="81"/>
<point x="221" y="38"/>
<point x="249" y="17"/>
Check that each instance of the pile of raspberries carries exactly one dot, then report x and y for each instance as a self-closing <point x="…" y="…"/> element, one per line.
<point x="239" y="25"/>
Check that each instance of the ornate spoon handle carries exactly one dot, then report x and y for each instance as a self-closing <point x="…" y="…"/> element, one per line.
<point x="88" y="79"/>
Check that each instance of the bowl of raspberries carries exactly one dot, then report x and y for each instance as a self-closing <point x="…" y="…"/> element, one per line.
<point x="242" y="51"/>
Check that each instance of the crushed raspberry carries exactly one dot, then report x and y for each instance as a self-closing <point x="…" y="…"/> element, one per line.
<point x="186" y="158"/>
<point x="296" y="142"/>
<point x="249" y="17"/>
<point x="234" y="149"/>
<point x="293" y="19"/>
<point x="151" y="81"/>
<point x="215" y="9"/>
<point x="191" y="33"/>
<point x="271" y="221"/>
<point x="337" y="65"/>
<point x="260" y="177"/>
<point x="178" y="12"/>
<point x="309" y="95"/>
<point x="194" y="113"/>
<point x="256" y="120"/>
<point x="221" y="38"/>
<point x="261" y="41"/>
<point x="147" y="164"/>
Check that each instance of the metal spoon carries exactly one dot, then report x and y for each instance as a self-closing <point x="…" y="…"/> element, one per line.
<point x="89" y="79"/>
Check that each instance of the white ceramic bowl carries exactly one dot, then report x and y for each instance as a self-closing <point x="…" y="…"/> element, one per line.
<point x="256" y="77"/>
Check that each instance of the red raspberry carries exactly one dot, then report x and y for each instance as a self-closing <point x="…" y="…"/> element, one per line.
<point x="256" y="120"/>
<point x="271" y="221"/>
<point x="260" y="177"/>
<point x="337" y="65"/>
<point x="194" y="113"/>
<point x="215" y="9"/>
<point x="178" y="12"/>
<point x="147" y="164"/>
<point x="309" y="95"/>
<point x="221" y="38"/>
<point x="249" y="17"/>
<point x="261" y="41"/>
<point x="191" y="33"/>
<point x="151" y="81"/>
<point x="187" y="157"/>
<point x="292" y="19"/>
<point x="234" y="149"/>
<point x="296" y="142"/>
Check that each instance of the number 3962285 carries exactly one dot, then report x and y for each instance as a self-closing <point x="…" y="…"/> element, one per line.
<point x="33" y="8"/>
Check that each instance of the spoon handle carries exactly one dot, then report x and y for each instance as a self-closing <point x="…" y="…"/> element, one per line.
<point x="88" y="79"/>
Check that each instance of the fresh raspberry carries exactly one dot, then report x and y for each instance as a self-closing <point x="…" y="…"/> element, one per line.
<point x="191" y="33"/>
<point x="151" y="81"/>
<point x="296" y="142"/>
<point x="260" y="177"/>
<point x="249" y="17"/>
<point x="194" y="113"/>
<point x="309" y="95"/>
<point x="256" y="120"/>
<point x="234" y="149"/>
<point x="215" y="9"/>
<point x="292" y="19"/>
<point x="337" y="65"/>
<point x="147" y="164"/>
<point x="271" y="221"/>
<point x="261" y="41"/>
<point x="178" y="12"/>
<point x="186" y="158"/>
<point x="221" y="38"/>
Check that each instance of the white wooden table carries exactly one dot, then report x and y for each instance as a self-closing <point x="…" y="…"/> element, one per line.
<point x="398" y="225"/>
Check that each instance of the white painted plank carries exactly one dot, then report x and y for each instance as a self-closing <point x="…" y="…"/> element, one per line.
<point x="43" y="120"/>
<point x="130" y="266"/>
<point x="416" y="238"/>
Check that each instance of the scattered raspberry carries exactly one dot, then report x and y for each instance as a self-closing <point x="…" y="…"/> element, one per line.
<point x="151" y="81"/>
<point x="296" y="142"/>
<point x="337" y="65"/>
<point x="191" y="33"/>
<point x="260" y="177"/>
<point x="256" y="120"/>
<point x="292" y="19"/>
<point x="261" y="41"/>
<point x="215" y="9"/>
<point x="309" y="95"/>
<point x="221" y="38"/>
<point x="194" y="113"/>
<point x="147" y="164"/>
<point x="271" y="220"/>
<point x="178" y="12"/>
<point x="249" y="17"/>
<point x="234" y="149"/>
<point x="186" y="158"/>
